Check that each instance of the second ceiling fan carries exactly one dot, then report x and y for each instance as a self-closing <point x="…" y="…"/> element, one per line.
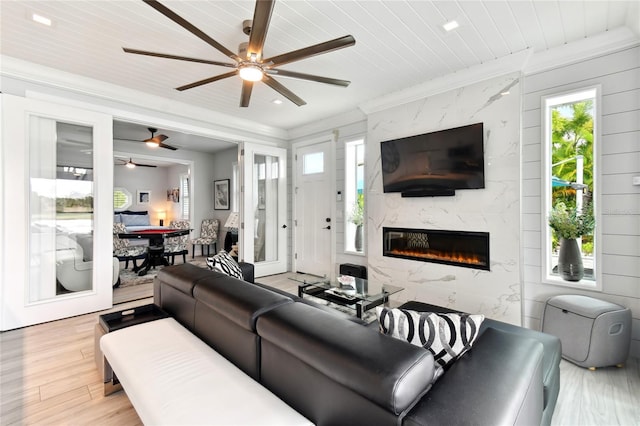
<point x="154" y="141"/>
<point x="249" y="62"/>
<point x="131" y="165"/>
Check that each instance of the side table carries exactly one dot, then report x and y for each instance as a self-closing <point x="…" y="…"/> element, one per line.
<point x="115" y="321"/>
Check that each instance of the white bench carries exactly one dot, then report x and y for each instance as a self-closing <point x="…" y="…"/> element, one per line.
<point x="173" y="378"/>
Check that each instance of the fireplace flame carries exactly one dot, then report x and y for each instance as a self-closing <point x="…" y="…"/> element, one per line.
<point x="470" y="259"/>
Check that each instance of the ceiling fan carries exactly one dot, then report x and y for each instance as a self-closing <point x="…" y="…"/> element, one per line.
<point x="155" y="141"/>
<point x="249" y="62"/>
<point x="130" y="164"/>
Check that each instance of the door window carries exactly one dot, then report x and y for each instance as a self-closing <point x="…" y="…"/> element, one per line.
<point x="313" y="163"/>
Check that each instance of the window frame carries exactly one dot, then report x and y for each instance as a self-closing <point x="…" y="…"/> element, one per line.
<point x="127" y="194"/>
<point x="547" y="103"/>
<point x="350" y="191"/>
<point x="185" y="196"/>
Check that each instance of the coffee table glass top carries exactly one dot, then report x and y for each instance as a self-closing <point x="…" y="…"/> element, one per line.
<point x="307" y="278"/>
<point x="352" y="288"/>
<point x="362" y="289"/>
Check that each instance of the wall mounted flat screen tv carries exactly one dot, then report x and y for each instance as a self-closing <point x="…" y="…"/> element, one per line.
<point x="435" y="163"/>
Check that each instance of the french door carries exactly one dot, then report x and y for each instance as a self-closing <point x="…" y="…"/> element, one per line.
<point x="264" y="207"/>
<point x="57" y="257"/>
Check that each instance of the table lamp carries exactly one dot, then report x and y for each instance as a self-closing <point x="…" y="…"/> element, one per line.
<point x="162" y="215"/>
<point x="233" y="221"/>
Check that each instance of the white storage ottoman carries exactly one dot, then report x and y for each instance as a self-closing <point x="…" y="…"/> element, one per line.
<point x="594" y="333"/>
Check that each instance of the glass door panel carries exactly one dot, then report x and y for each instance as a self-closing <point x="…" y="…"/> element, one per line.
<point x="57" y="243"/>
<point x="264" y="209"/>
<point x="60" y="208"/>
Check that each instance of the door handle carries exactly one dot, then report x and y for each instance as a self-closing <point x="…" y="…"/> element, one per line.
<point x="327" y="227"/>
<point x="284" y="226"/>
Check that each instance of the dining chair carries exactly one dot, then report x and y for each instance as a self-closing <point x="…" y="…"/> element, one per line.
<point x="123" y="250"/>
<point x="175" y="246"/>
<point x="208" y="236"/>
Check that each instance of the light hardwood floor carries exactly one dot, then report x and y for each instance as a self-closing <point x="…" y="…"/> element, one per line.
<point x="48" y="376"/>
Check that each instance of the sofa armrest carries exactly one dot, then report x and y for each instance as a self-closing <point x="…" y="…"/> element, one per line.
<point x="498" y="382"/>
<point x="247" y="271"/>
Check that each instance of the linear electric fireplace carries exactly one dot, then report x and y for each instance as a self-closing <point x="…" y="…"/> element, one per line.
<point x="458" y="248"/>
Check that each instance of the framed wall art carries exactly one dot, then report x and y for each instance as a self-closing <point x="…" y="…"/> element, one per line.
<point x="173" y="195"/>
<point x="143" y="196"/>
<point x="221" y="194"/>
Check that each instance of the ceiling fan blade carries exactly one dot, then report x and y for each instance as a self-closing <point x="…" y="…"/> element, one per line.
<point x="307" y="52"/>
<point x="319" y="79"/>
<point x="283" y="90"/>
<point x="164" y="145"/>
<point x="179" y="58"/>
<point x="207" y="81"/>
<point x="247" y="87"/>
<point x="190" y="27"/>
<point x="259" y="27"/>
<point x="143" y="165"/>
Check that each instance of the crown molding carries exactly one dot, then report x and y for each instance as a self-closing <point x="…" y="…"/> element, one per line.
<point x="467" y="77"/>
<point x="234" y="128"/>
<point x="326" y="125"/>
<point x="617" y="39"/>
<point x="526" y="62"/>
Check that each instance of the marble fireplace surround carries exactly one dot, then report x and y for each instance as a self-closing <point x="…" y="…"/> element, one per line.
<point x="496" y="293"/>
<point x="458" y="248"/>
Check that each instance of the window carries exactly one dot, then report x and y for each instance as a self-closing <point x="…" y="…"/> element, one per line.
<point x="122" y="199"/>
<point x="185" y="199"/>
<point x="313" y="163"/>
<point x="354" y="201"/>
<point x="570" y="123"/>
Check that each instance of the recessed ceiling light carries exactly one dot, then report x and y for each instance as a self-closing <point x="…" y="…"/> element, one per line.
<point x="277" y="101"/>
<point x="41" y="19"/>
<point x="451" y="25"/>
<point x="505" y="93"/>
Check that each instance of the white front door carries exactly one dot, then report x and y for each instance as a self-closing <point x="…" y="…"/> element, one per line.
<point x="313" y="207"/>
<point x="57" y="190"/>
<point x="264" y="207"/>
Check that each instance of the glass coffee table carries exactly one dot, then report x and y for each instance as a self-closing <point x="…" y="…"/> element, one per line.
<point x="360" y="294"/>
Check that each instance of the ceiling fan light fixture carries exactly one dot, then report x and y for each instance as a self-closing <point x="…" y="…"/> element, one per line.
<point x="130" y="164"/>
<point x="152" y="144"/>
<point x="250" y="72"/>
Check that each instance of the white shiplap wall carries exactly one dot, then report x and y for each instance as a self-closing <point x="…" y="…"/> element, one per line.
<point x="618" y="74"/>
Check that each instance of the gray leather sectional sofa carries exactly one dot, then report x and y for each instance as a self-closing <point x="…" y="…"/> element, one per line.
<point x="336" y="371"/>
